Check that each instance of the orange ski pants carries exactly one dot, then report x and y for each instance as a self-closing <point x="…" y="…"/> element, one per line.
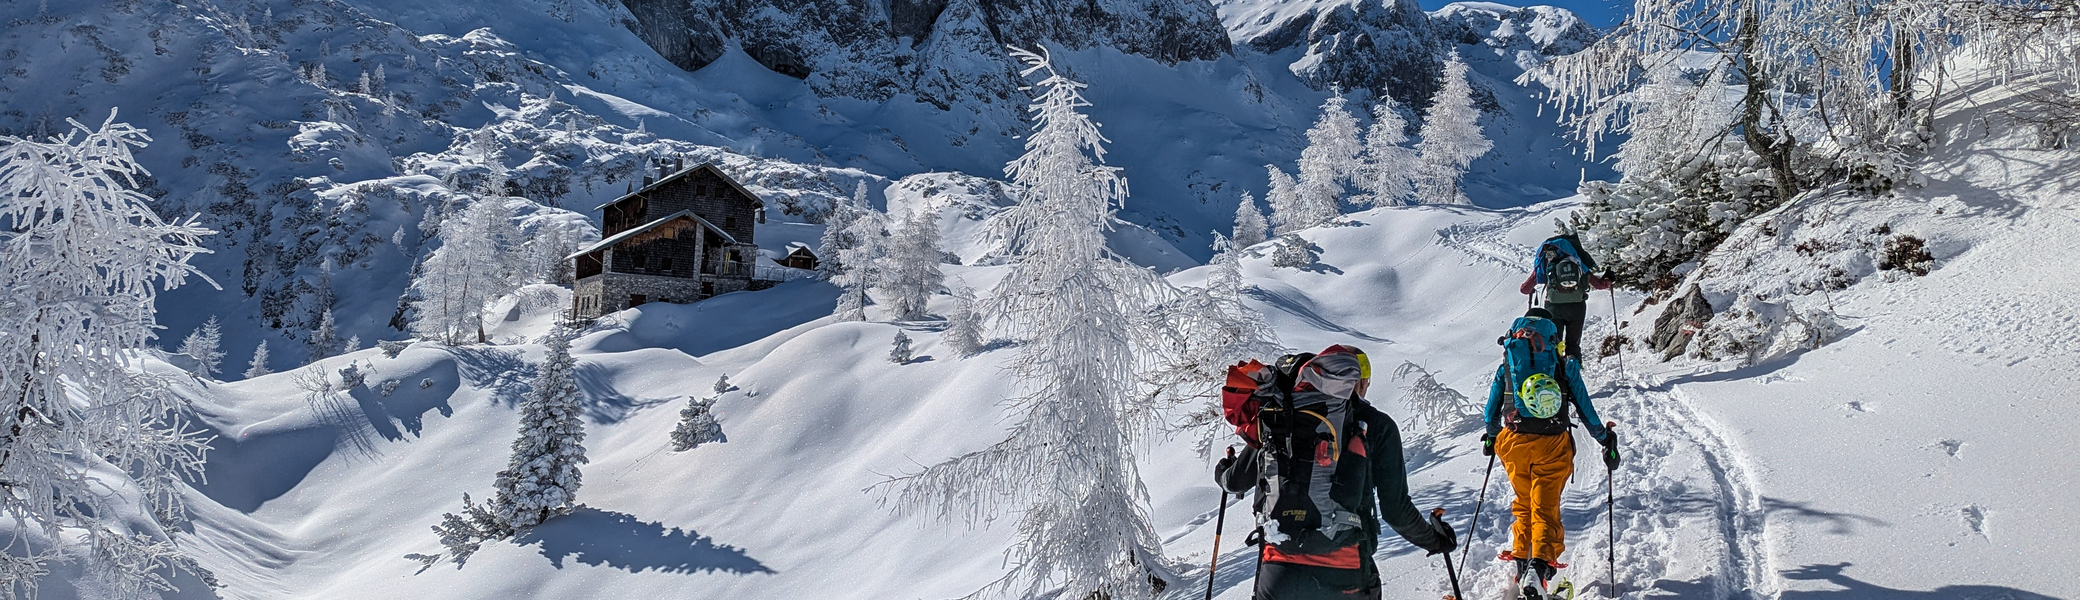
<point x="1538" y="467"/>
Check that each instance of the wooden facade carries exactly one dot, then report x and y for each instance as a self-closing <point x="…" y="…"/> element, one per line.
<point x="681" y="238"/>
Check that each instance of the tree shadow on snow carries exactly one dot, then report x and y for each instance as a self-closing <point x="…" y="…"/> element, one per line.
<point x="1853" y="589"/>
<point x="604" y="403"/>
<point x="1300" y="308"/>
<point x="1838" y="523"/>
<point x="502" y="371"/>
<point x="598" y="537"/>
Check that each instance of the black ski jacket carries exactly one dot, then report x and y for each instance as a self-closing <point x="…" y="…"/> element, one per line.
<point x="1380" y="471"/>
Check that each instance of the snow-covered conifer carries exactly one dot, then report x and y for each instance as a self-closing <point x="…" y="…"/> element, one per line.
<point x="201" y="345"/>
<point x="95" y="464"/>
<point x="697" y="425"/>
<point x="1451" y="138"/>
<point x="1284" y="198"/>
<point x="722" y="385"/>
<point x="1249" y="223"/>
<point x="911" y="275"/>
<point x="1067" y="466"/>
<point x="1388" y="164"/>
<point x="542" y="479"/>
<point x="258" y="366"/>
<point x="324" y="338"/>
<point x="353" y="343"/>
<point x="1331" y="156"/>
<point x="901" y="352"/>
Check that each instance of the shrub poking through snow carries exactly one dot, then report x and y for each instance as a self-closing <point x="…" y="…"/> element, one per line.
<point x="391" y="348"/>
<point x="697" y="425"/>
<point x="901" y="353"/>
<point x="1906" y="253"/>
<point x="543" y="478"/>
<point x="1441" y="409"/>
<point x="722" y="385"/>
<point x="1293" y="252"/>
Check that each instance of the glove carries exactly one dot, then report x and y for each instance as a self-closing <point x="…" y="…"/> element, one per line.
<point x="1530" y="286"/>
<point x="1446" y="539"/>
<point x="1610" y="449"/>
<point x="1488" y="445"/>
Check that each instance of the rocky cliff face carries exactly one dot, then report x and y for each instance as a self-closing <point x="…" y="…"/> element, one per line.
<point x="935" y="49"/>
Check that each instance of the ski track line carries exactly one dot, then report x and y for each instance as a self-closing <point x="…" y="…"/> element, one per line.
<point x="1739" y="511"/>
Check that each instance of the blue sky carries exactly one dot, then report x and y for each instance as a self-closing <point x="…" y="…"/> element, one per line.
<point x="1599" y="13"/>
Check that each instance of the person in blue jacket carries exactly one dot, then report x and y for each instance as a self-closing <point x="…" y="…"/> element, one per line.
<point x="1527" y="416"/>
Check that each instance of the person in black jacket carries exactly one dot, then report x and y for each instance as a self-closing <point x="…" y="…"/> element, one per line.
<point x="1369" y="478"/>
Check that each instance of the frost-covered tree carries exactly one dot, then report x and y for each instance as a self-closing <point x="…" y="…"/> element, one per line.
<point x="1293" y="252"/>
<point x="1287" y="216"/>
<point x="722" y="385"/>
<point x="964" y="329"/>
<point x="1067" y="466"/>
<point x="1442" y="410"/>
<point x="910" y="272"/>
<point x="1331" y="157"/>
<point x="837" y="233"/>
<point x="542" y="479"/>
<point x="475" y="264"/>
<point x="258" y="366"/>
<point x="324" y="337"/>
<point x="696" y="425"/>
<point x="94" y="450"/>
<point x="201" y="346"/>
<point x="900" y="352"/>
<point x="1451" y="138"/>
<point x="1208" y="328"/>
<point x="861" y="264"/>
<point x="1386" y="171"/>
<point x="1250" y="228"/>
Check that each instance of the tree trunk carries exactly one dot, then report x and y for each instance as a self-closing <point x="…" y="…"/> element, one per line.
<point x="1777" y="152"/>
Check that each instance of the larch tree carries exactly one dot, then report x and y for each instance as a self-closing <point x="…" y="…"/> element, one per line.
<point x="1250" y="227"/>
<point x="1284" y="197"/>
<point x="94" y="449"/>
<point x="258" y="366"/>
<point x="1067" y="466"/>
<point x="1451" y="138"/>
<point x="837" y="233"/>
<point x="911" y="271"/>
<point x="1386" y="171"/>
<point x="476" y="263"/>
<point x="202" y="346"/>
<point x="964" y="329"/>
<point x="1331" y="156"/>
<point x="542" y="478"/>
<point x="860" y="263"/>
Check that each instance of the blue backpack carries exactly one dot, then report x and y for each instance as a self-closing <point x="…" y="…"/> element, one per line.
<point x="1537" y="384"/>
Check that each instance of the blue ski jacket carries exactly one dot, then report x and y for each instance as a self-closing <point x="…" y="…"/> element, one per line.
<point x="1498" y="391"/>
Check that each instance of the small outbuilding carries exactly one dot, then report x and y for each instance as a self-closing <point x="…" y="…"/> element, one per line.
<point x="799" y="256"/>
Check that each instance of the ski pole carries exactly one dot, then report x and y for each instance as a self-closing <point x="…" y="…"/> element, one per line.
<point x="1437" y="521"/>
<point x="1617" y="331"/>
<point x="1220" y="521"/>
<point x="1610" y="513"/>
<point x="1473" y="530"/>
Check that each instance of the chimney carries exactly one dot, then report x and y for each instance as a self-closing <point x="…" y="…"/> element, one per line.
<point x="678" y="164"/>
<point x="647" y="180"/>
